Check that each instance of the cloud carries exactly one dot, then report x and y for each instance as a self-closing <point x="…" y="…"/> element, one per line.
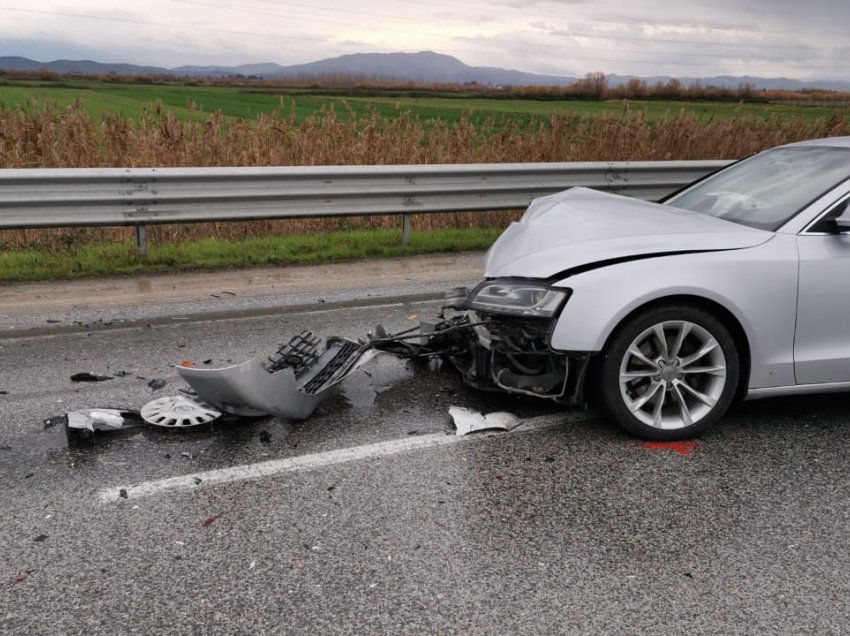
<point x="526" y="4"/>
<point x="567" y="37"/>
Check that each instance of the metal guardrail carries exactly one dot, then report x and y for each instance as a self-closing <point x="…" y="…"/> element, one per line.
<point x="40" y="198"/>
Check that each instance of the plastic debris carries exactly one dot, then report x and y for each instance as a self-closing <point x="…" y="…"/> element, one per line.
<point x="290" y="383"/>
<point x="85" y="422"/>
<point x="56" y="420"/>
<point x="85" y="376"/>
<point x="91" y="420"/>
<point x="468" y="421"/>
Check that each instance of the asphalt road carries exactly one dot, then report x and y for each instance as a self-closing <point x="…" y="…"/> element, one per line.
<point x="373" y="517"/>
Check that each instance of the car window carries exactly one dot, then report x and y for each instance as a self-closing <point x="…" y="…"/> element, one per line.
<point x="770" y="188"/>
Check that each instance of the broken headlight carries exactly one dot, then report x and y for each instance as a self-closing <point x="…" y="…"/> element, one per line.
<point x="517" y="298"/>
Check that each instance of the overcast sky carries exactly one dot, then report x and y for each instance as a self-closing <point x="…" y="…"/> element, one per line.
<point x="802" y="39"/>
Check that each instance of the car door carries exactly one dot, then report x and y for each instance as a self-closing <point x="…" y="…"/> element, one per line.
<point x="822" y="338"/>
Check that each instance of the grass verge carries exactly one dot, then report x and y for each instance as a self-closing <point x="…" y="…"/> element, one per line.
<point x="113" y="259"/>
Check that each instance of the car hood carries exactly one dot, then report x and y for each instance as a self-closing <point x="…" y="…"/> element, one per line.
<point x="582" y="227"/>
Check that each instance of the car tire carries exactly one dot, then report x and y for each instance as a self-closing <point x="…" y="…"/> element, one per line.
<point x="668" y="373"/>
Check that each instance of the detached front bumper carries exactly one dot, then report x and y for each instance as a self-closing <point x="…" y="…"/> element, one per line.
<point x="290" y="383"/>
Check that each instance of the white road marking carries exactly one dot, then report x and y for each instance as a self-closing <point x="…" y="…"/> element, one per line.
<point x="317" y="460"/>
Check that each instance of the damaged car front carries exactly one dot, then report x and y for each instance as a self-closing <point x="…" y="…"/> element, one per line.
<point x="513" y="320"/>
<point x="579" y="267"/>
<point x="662" y="313"/>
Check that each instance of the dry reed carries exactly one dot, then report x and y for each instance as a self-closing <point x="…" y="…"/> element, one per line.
<point x="55" y="137"/>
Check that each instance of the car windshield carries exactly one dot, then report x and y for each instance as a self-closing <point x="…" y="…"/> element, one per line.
<point x="770" y="188"/>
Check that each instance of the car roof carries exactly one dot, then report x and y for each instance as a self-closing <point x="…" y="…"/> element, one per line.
<point x="827" y="142"/>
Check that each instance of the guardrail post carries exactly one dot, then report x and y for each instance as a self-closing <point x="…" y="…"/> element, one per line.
<point x="405" y="229"/>
<point x="142" y="240"/>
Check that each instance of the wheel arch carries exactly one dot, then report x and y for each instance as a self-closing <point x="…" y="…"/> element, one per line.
<point x="718" y="311"/>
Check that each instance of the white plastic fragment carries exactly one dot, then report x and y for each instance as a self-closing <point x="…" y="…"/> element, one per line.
<point x="95" y="419"/>
<point x="468" y="421"/>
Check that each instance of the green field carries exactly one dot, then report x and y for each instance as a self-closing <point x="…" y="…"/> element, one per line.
<point x="121" y="258"/>
<point x="453" y="108"/>
<point x="188" y="101"/>
<point x="88" y="123"/>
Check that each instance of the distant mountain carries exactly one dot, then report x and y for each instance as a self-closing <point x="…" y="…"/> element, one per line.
<point x="425" y="66"/>
<point x="80" y="66"/>
<point x="258" y="70"/>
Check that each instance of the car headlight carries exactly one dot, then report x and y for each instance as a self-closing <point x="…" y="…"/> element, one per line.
<point x="517" y="298"/>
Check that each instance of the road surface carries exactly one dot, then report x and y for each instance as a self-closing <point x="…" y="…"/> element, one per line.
<point x="372" y="516"/>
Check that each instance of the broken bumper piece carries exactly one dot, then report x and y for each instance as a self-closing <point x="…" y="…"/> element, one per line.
<point x="291" y="383"/>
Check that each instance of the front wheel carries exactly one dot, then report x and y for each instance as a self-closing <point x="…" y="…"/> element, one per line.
<point x="669" y="373"/>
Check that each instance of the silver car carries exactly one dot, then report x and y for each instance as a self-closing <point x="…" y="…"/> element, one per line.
<point x="738" y="285"/>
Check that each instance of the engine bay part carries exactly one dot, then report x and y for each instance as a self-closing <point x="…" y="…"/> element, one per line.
<point x="497" y="352"/>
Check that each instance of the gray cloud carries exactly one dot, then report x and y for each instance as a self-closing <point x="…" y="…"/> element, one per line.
<point x="542" y="4"/>
<point x="568" y="37"/>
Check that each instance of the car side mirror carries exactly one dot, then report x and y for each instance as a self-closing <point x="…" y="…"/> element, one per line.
<point x="836" y="222"/>
<point x="836" y="226"/>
